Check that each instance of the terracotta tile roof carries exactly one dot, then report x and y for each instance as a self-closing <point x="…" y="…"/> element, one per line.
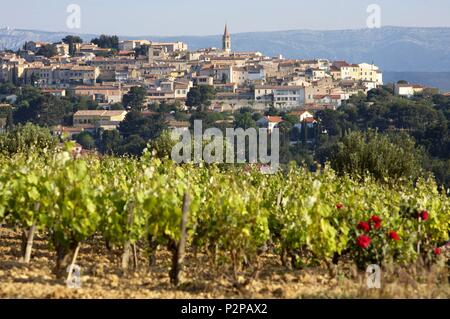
<point x="298" y="113"/>
<point x="98" y="113"/>
<point x="340" y="64"/>
<point x="322" y="96"/>
<point x="310" y="120"/>
<point x="278" y="87"/>
<point x="274" y="119"/>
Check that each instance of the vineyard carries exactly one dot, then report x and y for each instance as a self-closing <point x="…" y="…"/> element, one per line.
<point x="154" y="216"/>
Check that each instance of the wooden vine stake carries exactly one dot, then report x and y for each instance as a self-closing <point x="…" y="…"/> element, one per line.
<point x="72" y="263"/>
<point x="28" y="238"/>
<point x="29" y="243"/>
<point x="127" y="249"/>
<point x="179" y="248"/>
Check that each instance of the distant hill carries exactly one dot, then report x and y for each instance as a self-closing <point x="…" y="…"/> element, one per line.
<point x="392" y="48"/>
<point x="440" y="80"/>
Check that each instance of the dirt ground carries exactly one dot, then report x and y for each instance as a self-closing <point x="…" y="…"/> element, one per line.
<point x="100" y="278"/>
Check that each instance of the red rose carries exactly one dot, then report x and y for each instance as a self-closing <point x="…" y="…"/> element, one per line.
<point x="364" y="226"/>
<point x="394" y="236"/>
<point x="339" y="206"/>
<point x="437" y="251"/>
<point x="424" y="215"/>
<point x="363" y="241"/>
<point x="376" y="221"/>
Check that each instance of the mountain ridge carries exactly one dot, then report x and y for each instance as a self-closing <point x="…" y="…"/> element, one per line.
<point x="399" y="49"/>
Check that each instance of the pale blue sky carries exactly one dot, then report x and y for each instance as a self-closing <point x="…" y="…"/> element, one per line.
<point x="207" y="17"/>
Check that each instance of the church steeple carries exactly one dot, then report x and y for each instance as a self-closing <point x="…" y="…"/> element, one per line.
<point x="226" y="41"/>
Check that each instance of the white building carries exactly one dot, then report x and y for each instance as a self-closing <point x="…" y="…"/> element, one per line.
<point x="408" y="90"/>
<point x="288" y="96"/>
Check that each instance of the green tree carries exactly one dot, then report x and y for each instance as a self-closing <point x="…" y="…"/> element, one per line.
<point x="27" y="138"/>
<point x="71" y="40"/>
<point x="45" y="110"/>
<point x="386" y="158"/>
<point x="109" y="142"/>
<point x="146" y="127"/>
<point x="48" y="50"/>
<point x="7" y="88"/>
<point x="84" y="103"/>
<point x="224" y="78"/>
<point x="107" y="42"/>
<point x="272" y="111"/>
<point x="142" y="50"/>
<point x="6" y="112"/>
<point x="135" y="98"/>
<point x="201" y="96"/>
<point x="86" y="140"/>
<point x="163" y="144"/>
<point x="116" y="106"/>
<point x="244" y="120"/>
<point x="132" y="145"/>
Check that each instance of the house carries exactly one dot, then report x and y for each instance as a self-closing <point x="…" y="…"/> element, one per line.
<point x="130" y="45"/>
<point x="288" y="96"/>
<point x="302" y="116"/>
<point x="280" y="96"/>
<point x="248" y="74"/>
<point x="62" y="48"/>
<point x="95" y="119"/>
<point x="408" y="90"/>
<point x="254" y="73"/>
<point x="66" y="131"/>
<point x="126" y="73"/>
<point x="34" y="46"/>
<point x="55" y="92"/>
<point x="328" y="99"/>
<point x="270" y="122"/>
<point x="220" y="73"/>
<point x="370" y="73"/>
<point x="169" y="92"/>
<point x="227" y="87"/>
<point x="101" y="94"/>
<point x="11" y="98"/>
<point x="335" y="73"/>
<point x="315" y="74"/>
<point x="179" y="125"/>
<point x="264" y="93"/>
<point x="171" y="47"/>
<point x="61" y="75"/>
<point x="203" y="80"/>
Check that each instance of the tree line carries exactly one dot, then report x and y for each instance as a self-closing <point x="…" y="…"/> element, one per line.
<point x="380" y="133"/>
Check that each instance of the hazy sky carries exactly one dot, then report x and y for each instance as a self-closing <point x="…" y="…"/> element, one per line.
<point x="206" y="17"/>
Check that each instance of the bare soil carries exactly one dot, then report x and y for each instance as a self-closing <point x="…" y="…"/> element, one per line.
<point x="101" y="278"/>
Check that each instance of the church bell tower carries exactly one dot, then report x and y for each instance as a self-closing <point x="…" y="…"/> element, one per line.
<point x="226" y="42"/>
